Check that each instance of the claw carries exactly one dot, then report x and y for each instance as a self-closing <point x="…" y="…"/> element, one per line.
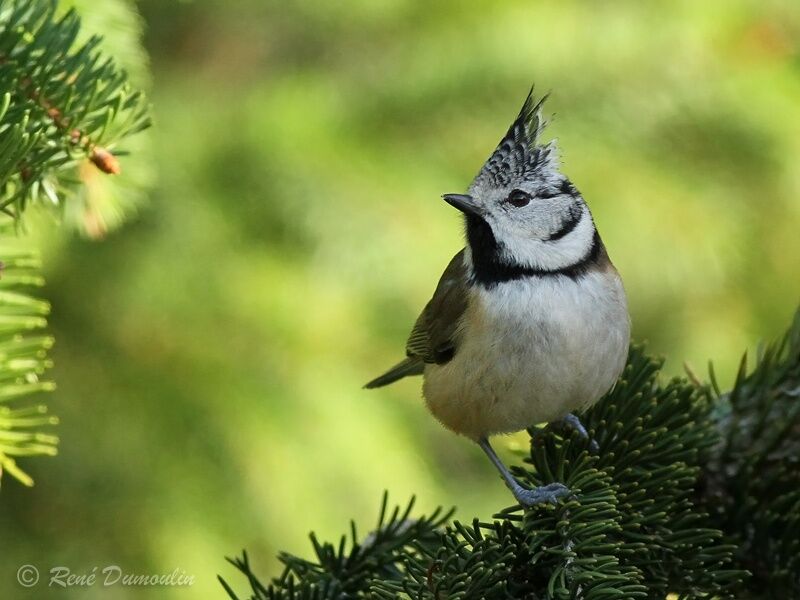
<point x="544" y="494"/>
<point x="571" y="421"/>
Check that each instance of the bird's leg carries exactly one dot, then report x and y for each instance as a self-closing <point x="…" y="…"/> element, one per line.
<point x="571" y="421"/>
<point x="538" y="495"/>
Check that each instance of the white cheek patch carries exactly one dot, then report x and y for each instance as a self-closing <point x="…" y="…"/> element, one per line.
<point x="554" y="254"/>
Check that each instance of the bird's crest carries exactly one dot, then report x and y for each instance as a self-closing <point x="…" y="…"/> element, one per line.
<point x="518" y="157"/>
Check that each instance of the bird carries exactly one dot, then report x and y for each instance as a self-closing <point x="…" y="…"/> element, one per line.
<point x="529" y="322"/>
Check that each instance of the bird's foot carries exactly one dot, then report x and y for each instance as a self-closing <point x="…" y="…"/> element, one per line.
<point x="571" y="421"/>
<point x="563" y="426"/>
<point x="543" y="494"/>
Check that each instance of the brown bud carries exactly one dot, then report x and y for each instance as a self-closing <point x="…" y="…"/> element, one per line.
<point x="105" y="161"/>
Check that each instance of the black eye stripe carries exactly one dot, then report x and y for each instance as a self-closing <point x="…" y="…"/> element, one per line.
<point x="565" y="188"/>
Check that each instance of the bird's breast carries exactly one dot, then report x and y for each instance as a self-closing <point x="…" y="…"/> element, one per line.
<point x="530" y="351"/>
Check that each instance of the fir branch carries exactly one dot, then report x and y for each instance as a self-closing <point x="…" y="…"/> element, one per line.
<point x="693" y="494"/>
<point x="23" y="362"/>
<point x="347" y="569"/>
<point x="63" y="104"/>
<point x="751" y="486"/>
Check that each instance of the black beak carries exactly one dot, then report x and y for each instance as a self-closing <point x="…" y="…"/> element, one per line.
<point x="464" y="203"/>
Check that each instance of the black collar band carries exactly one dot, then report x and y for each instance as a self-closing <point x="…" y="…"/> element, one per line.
<point x="489" y="270"/>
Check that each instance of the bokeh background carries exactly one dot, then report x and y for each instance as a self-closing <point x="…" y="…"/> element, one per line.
<point x="210" y="354"/>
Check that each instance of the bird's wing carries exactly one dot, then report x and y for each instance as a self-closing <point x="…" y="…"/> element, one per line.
<point x="433" y="338"/>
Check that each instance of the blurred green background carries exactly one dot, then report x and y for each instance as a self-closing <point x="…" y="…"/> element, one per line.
<point x="210" y="354"/>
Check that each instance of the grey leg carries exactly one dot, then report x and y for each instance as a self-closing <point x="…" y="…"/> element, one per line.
<point x="573" y="422"/>
<point x="539" y="495"/>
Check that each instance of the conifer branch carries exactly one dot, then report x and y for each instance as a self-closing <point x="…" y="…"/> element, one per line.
<point x="23" y="362"/>
<point x="751" y="485"/>
<point x="63" y="106"/>
<point x="693" y="494"/>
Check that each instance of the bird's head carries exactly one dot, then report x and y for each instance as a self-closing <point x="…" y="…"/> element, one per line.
<point x="521" y="211"/>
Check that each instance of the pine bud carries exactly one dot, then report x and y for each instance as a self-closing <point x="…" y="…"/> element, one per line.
<point x="105" y="161"/>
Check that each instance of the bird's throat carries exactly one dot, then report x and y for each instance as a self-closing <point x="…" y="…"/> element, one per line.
<point x="490" y="267"/>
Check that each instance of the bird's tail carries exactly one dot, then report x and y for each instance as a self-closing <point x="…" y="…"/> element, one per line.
<point x="409" y="366"/>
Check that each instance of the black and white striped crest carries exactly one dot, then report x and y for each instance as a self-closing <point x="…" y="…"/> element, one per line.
<point x="517" y="157"/>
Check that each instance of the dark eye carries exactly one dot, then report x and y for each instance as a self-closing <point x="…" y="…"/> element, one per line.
<point x="518" y="198"/>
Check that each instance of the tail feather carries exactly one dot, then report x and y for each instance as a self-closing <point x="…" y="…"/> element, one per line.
<point x="409" y="366"/>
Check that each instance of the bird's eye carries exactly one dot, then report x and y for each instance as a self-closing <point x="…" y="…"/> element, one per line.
<point x="518" y="198"/>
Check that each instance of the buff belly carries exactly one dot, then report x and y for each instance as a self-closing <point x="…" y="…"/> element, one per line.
<point x="530" y="351"/>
